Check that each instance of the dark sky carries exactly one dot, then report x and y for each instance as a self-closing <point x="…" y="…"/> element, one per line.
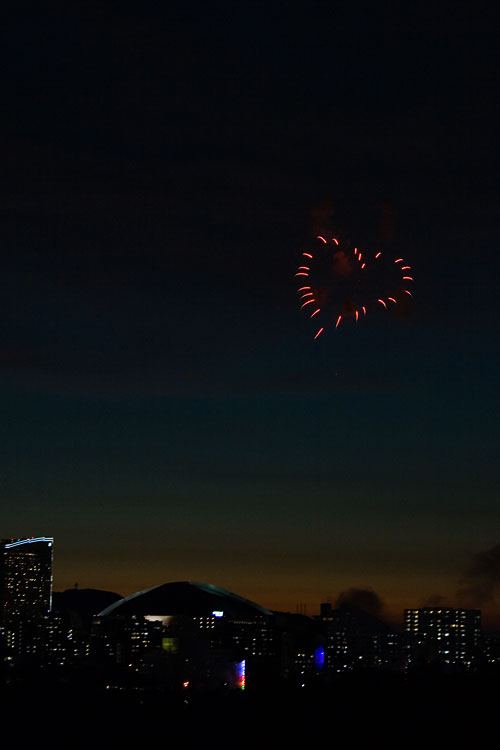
<point x="167" y="414"/>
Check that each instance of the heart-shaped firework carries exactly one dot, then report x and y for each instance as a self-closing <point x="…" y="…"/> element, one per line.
<point x="341" y="283"/>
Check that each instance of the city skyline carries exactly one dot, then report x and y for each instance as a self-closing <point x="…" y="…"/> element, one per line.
<point x="191" y="636"/>
<point x="365" y="599"/>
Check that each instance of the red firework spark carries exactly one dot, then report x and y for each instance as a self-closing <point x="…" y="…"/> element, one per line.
<point x="340" y="266"/>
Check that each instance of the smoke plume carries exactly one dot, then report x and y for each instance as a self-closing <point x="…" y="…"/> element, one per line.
<point x="365" y="600"/>
<point x="480" y="582"/>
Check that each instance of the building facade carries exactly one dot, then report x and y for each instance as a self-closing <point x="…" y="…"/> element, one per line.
<point x="442" y="634"/>
<point x="25" y="578"/>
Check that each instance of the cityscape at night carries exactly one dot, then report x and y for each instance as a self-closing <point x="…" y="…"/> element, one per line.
<point x="249" y="366"/>
<point x="217" y="633"/>
<point x="178" y="646"/>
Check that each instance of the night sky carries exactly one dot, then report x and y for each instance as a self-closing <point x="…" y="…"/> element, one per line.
<point x="166" y="412"/>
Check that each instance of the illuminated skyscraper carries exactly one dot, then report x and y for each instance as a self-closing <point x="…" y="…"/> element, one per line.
<point x="26" y="578"/>
<point x="452" y="636"/>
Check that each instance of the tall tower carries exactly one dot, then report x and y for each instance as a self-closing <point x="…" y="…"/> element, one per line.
<point x="25" y="578"/>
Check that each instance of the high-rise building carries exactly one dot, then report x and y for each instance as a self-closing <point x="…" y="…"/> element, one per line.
<point x="355" y="639"/>
<point x="25" y="578"/>
<point x="452" y="636"/>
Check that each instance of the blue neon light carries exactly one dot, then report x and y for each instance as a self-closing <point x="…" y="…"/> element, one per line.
<point x="48" y="539"/>
<point x="319" y="657"/>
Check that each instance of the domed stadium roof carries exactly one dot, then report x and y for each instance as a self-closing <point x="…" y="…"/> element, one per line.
<point x="185" y="598"/>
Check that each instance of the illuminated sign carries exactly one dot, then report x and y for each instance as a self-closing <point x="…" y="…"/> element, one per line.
<point x="170" y="645"/>
<point x="240" y="672"/>
<point x="33" y="539"/>
<point x="319" y="657"/>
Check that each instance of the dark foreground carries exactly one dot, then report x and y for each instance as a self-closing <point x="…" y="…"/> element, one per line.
<point x="383" y="710"/>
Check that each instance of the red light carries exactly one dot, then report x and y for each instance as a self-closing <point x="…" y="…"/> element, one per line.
<point x="334" y="290"/>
